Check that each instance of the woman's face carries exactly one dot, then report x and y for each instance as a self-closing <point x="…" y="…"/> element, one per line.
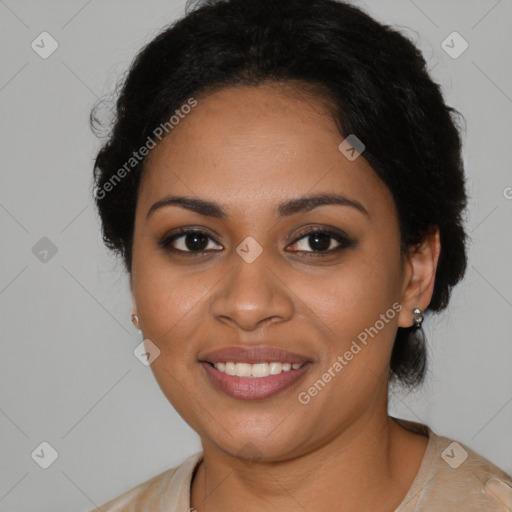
<point x="261" y="283"/>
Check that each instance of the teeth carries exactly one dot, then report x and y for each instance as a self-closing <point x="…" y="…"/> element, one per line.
<point x="275" y="368"/>
<point x="243" y="370"/>
<point x="229" y="368"/>
<point x="255" y="370"/>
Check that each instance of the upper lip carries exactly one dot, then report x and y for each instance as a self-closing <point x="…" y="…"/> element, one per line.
<point x="252" y="355"/>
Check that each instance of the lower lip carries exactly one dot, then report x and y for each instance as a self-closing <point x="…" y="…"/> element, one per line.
<point x="260" y="388"/>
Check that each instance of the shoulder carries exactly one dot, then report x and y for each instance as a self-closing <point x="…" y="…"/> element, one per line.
<point x="167" y="489"/>
<point x="454" y="477"/>
<point x="464" y="478"/>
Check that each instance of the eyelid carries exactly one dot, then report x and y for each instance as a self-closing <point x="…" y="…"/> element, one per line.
<point x="337" y="234"/>
<point x="167" y="240"/>
<point x="344" y="241"/>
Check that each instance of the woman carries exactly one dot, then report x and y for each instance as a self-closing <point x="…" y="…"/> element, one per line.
<point x="285" y="186"/>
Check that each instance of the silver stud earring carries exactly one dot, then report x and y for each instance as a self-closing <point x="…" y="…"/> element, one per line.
<point x="418" y="317"/>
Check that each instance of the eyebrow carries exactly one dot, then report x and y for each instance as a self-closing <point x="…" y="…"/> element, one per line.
<point x="286" y="209"/>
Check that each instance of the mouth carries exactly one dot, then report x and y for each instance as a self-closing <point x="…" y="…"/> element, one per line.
<point x="255" y="373"/>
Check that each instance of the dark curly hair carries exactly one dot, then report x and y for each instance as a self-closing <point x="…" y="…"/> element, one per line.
<point x="376" y="82"/>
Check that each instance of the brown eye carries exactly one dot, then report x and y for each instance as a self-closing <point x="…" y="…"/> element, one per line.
<point x="189" y="241"/>
<point x="321" y="241"/>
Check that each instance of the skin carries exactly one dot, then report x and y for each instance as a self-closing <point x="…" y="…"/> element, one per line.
<point x="250" y="149"/>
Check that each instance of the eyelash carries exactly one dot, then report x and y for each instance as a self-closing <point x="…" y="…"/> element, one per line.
<point x="344" y="241"/>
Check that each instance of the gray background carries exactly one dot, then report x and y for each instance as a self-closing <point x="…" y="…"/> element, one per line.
<point x="68" y="375"/>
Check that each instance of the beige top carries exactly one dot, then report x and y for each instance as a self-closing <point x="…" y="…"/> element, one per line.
<point x="451" y="477"/>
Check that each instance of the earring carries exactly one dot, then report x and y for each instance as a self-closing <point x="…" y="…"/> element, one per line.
<point x="135" y="321"/>
<point x="418" y="317"/>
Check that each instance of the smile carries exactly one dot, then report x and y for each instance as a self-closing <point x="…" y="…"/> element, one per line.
<point x="257" y="370"/>
<point x="258" y="381"/>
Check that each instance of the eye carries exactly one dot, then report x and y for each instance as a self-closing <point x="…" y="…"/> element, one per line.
<point x="189" y="241"/>
<point x="321" y="240"/>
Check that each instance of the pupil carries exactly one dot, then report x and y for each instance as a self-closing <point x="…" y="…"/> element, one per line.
<point x="196" y="241"/>
<point x="321" y="240"/>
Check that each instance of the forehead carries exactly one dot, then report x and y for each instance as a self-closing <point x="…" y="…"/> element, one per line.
<point x="259" y="142"/>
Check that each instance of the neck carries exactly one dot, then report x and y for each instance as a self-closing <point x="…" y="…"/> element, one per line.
<point x="370" y="466"/>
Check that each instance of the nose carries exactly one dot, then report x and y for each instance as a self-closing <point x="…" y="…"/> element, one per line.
<point x="252" y="294"/>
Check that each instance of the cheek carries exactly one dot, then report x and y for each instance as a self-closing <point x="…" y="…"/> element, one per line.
<point x="171" y="304"/>
<point x="353" y="306"/>
<point x="171" y="309"/>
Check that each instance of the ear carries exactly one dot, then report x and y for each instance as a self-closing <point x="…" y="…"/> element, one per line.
<point x="419" y="276"/>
